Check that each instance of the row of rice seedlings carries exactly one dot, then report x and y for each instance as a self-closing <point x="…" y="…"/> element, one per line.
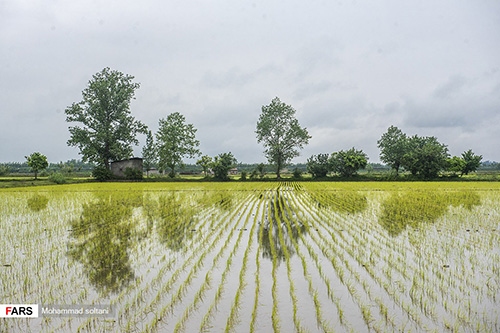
<point x="202" y="249"/>
<point x="312" y="291"/>
<point x="274" y="314"/>
<point x="324" y="245"/>
<point x="337" y="268"/>
<point x="323" y="275"/>
<point x="257" y="263"/>
<point x="233" y="317"/>
<point x="351" y="230"/>
<point x="420" y="300"/>
<point x="206" y="321"/>
<point x="201" y="291"/>
<point x="177" y="297"/>
<point x="423" y="303"/>
<point x="155" y="282"/>
<point x="293" y="295"/>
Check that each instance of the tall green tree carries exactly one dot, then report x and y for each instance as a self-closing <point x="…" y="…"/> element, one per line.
<point x="37" y="162"/>
<point x="281" y="134"/>
<point x="318" y="165"/>
<point x="175" y="140"/>
<point x="222" y="164"/>
<point x="471" y="162"/>
<point x="149" y="155"/>
<point x="425" y="156"/>
<point x="347" y="163"/>
<point x="205" y="162"/>
<point x="107" y="129"/>
<point x="393" y="146"/>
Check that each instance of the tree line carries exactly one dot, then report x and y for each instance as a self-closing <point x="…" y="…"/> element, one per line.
<point x="105" y="131"/>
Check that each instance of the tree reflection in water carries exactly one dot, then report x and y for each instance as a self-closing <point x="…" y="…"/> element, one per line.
<point x="278" y="214"/>
<point x="37" y="202"/>
<point x="419" y="208"/>
<point x="100" y="240"/>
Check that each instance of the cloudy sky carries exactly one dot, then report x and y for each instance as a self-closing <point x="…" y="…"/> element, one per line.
<point x="350" y="69"/>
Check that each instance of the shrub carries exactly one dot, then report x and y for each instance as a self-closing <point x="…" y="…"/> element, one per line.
<point x="318" y="165"/>
<point x="297" y="174"/>
<point x="243" y="175"/>
<point x="101" y="173"/>
<point x="57" y="178"/>
<point x="133" y="174"/>
<point x="4" y="170"/>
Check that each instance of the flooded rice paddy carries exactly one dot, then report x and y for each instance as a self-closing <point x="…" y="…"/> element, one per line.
<point x="261" y="257"/>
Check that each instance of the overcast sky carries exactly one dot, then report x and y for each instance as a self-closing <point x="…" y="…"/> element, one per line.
<point x="350" y="69"/>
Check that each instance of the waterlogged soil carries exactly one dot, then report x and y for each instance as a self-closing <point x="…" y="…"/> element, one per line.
<point x="257" y="257"/>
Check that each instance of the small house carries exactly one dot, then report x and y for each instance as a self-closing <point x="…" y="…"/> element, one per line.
<point x="118" y="167"/>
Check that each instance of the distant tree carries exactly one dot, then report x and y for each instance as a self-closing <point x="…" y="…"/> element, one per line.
<point x="204" y="162"/>
<point x="471" y="162"/>
<point x="425" y="156"/>
<point x="280" y="133"/>
<point x="297" y="173"/>
<point x="4" y="169"/>
<point x="37" y="162"/>
<point x="108" y="130"/>
<point x="455" y="164"/>
<point x="222" y="164"/>
<point x="175" y="140"/>
<point x="261" y="169"/>
<point x="149" y="155"/>
<point x="393" y="145"/>
<point x="318" y="165"/>
<point x="348" y="162"/>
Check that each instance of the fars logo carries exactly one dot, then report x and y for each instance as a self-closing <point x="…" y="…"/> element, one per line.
<point x="19" y="311"/>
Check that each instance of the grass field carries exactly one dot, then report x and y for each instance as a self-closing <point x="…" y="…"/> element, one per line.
<point x="255" y="256"/>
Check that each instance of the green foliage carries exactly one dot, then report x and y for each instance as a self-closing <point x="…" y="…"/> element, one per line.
<point x="57" y="178"/>
<point x="149" y="155"/>
<point x="347" y="163"/>
<point x="280" y="133"/>
<point x="108" y="130"/>
<point x="297" y="173"/>
<point x="204" y="162"/>
<point x="471" y="162"/>
<point x="425" y="156"/>
<point x="222" y="164"/>
<point x="261" y="170"/>
<point x="416" y="208"/>
<point x="455" y="164"/>
<point x="254" y="174"/>
<point x="175" y="140"/>
<point x="133" y="173"/>
<point x="37" y="162"/>
<point x="4" y="170"/>
<point x="243" y="175"/>
<point x="393" y="145"/>
<point x="37" y="202"/>
<point x="318" y="165"/>
<point x="101" y="173"/>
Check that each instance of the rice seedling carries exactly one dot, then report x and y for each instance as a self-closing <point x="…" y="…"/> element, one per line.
<point x="367" y="256"/>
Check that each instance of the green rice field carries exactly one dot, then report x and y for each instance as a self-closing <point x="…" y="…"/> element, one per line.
<point x="254" y="256"/>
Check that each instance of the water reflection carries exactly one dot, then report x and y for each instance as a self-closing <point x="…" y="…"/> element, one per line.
<point x="100" y="240"/>
<point x="420" y="207"/>
<point x="37" y="202"/>
<point x="279" y="213"/>
<point x="345" y="201"/>
<point x="175" y="220"/>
